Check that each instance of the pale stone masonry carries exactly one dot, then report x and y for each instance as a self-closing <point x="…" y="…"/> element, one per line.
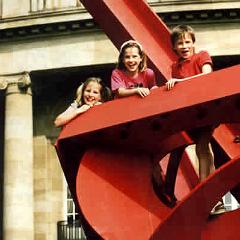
<point x="49" y="190"/>
<point x="18" y="163"/>
<point x="57" y="45"/>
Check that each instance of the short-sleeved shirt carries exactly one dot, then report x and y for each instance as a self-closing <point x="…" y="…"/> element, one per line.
<point x="120" y="79"/>
<point x="188" y="68"/>
<point x="192" y="66"/>
<point x="75" y="104"/>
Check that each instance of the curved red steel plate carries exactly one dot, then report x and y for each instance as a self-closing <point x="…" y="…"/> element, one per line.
<point x="115" y="194"/>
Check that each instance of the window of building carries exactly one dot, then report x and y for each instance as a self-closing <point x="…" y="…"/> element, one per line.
<point x="72" y="214"/>
<point x="48" y="5"/>
<point x="72" y="228"/>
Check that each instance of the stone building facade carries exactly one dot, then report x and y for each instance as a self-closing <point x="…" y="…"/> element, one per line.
<point x="47" y="47"/>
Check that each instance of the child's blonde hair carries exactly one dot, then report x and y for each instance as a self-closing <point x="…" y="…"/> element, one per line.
<point x="129" y="44"/>
<point x="105" y="92"/>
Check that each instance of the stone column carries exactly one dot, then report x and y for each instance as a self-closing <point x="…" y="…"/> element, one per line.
<point x="18" y="158"/>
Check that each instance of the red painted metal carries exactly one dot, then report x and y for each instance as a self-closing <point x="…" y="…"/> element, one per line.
<point x="131" y="130"/>
<point x="122" y="193"/>
<point x="190" y="219"/>
<point x="123" y="20"/>
<point x="122" y="196"/>
<point x="225" y="226"/>
<point x="144" y="127"/>
<point x="198" y="99"/>
<point x="224" y="135"/>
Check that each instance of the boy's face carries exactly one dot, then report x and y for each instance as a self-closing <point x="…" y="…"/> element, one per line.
<point x="184" y="46"/>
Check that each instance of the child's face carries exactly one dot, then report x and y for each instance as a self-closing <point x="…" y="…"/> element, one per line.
<point x="184" y="46"/>
<point x="92" y="94"/>
<point x="132" y="60"/>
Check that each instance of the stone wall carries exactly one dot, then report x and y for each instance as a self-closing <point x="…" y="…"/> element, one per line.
<point x="56" y="52"/>
<point x="50" y="191"/>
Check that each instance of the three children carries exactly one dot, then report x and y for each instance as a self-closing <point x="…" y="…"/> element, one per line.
<point x="132" y="77"/>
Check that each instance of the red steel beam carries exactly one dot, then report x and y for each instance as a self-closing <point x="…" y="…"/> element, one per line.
<point x="190" y="219"/>
<point x="224" y="136"/>
<point x="198" y="99"/>
<point x="123" y="20"/>
<point x="133" y="121"/>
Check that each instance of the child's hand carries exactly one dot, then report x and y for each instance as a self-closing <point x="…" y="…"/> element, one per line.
<point x="170" y="83"/>
<point x="83" y="108"/>
<point x="97" y="103"/>
<point x="143" y="92"/>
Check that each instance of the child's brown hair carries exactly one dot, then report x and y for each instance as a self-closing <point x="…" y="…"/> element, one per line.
<point x="179" y="31"/>
<point x="129" y="44"/>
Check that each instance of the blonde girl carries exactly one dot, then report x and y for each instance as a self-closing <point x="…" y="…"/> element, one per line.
<point x="92" y="92"/>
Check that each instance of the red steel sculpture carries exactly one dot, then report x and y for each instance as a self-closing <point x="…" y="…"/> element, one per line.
<point x="108" y="162"/>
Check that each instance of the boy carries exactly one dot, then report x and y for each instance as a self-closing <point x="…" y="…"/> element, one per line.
<point x="189" y="65"/>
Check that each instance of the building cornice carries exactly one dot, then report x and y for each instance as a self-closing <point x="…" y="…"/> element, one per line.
<point x="214" y="16"/>
<point x="81" y="21"/>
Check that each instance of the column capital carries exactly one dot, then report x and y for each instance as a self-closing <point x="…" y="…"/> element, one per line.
<point x="20" y="80"/>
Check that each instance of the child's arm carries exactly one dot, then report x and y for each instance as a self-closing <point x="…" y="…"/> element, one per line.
<point x="120" y="89"/>
<point x="124" y="92"/>
<point x="154" y="87"/>
<point x="206" y="68"/>
<point x="69" y="114"/>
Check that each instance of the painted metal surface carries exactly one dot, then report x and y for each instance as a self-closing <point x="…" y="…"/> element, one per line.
<point x="120" y="203"/>
<point x="141" y="129"/>
<point x="123" y="20"/>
